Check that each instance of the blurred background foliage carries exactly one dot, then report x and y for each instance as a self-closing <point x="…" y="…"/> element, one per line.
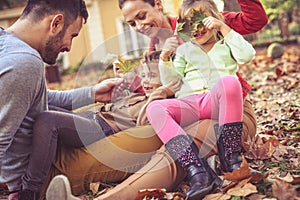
<point x="273" y="8"/>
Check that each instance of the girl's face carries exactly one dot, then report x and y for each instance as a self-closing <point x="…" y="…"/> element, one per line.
<point x="204" y="36"/>
<point x="150" y="77"/>
<point x="143" y="17"/>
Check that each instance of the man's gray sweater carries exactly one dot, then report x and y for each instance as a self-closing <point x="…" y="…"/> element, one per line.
<point x="23" y="96"/>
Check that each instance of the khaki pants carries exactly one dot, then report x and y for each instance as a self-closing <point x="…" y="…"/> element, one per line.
<point x="128" y="152"/>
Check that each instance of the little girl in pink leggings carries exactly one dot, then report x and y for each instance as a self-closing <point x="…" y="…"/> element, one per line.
<point x="207" y="65"/>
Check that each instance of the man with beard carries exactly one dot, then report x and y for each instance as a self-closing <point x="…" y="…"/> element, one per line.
<point x="44" y="29"/>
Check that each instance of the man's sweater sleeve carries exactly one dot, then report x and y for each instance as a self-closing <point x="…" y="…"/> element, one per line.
<point x="71" y="99"/>
<point x="251" y="19"/>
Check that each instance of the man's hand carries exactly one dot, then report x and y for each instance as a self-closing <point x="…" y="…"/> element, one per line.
<point x="103" y="90"/>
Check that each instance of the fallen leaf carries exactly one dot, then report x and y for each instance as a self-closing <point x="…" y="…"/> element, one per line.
<point x="159" y="194"/>
<point x="283" y="190"/>
<point x="256" y="177"/>
<point x="217" y="196"/>
<point x="242" y="191"/>
<point x="150" y="193"/>
<point x="240" y="173"/>
<point x="260" y="147"/>
<point x="256" y="197"/>
<point x="94" y="187"/>
<point x="280" y="151"/>
<point x="295" y="162"/>
<point x="288" y="178"/>
<point x="296" y="179"/>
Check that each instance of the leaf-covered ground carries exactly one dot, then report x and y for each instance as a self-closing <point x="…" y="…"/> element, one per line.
<point x="275" y="152"/>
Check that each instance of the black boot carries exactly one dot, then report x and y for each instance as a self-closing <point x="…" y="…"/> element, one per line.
<point x="229" y="142"/>
<point x="28" y="195"/>
<point x="202" y="178"/>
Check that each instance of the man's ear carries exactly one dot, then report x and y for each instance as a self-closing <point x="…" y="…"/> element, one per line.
<point x="57" y="23"/>
<point x="159" y="5"/>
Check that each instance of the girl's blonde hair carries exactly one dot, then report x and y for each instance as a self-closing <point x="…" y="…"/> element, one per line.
<point x="208" y="7"/>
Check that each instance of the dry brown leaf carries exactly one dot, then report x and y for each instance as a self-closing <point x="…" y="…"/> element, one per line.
<point x="296" y="179"/>
<point x="242" y="191"/>
<point x="217" y="196"/>
<point x="256" y="177"/>
<point x="238" y="174"/>
<point x="153" y="193"/>
<point x="279" y="152"/>
<point x="256" y="197"/>
<point x="94" y="187"/>
<point x="229" y="186"/>
<point x="288" y="178"/>
<point x="260" y="147"/>
<point x="283" y="190"/>
<point x="159" y="194"/>
<point x="295" y="162"/>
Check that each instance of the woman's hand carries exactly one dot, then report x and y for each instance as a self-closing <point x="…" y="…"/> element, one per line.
<point x="213" y="23"/>
<point x="169" y="47"/>
<point x="102" y="92"/>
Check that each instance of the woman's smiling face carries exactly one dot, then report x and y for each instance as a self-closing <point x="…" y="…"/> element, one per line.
<point x="143" y="17"/>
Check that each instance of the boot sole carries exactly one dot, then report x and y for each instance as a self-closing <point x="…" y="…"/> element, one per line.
<point x="216" y="183"/>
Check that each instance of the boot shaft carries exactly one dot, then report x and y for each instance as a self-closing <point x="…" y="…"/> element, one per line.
<point x="229" y="142"/>
<point x="230" y="137"/>
<point x="201" y="177"/>
<point x="184" y="150"/>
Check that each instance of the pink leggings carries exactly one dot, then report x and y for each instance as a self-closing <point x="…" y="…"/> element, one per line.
<point x="224" y="102"/>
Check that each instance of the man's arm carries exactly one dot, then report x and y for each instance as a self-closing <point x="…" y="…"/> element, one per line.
<point x="251" y="19"/>
<point x="72" y="99"/>
<point x="22" y="97"/>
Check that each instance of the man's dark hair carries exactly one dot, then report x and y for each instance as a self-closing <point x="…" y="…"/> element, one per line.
<point x="71" y="9"/>
<point x="121" y="2"/>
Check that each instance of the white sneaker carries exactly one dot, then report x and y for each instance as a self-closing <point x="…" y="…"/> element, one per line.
<point x="59" y="189"/>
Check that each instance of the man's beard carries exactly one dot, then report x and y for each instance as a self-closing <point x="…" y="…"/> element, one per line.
<point x="52" y="48"/>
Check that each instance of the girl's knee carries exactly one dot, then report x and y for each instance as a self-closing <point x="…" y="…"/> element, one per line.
<point x="232" y="84"/>
<point x="157" y="109"/>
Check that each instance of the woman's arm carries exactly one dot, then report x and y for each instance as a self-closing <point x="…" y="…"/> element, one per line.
<point x="251" y="19"/>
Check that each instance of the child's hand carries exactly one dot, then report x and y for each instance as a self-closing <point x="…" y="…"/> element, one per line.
<point x="213" y="23"/>
<point x="172" y="87"/>
<point x="169" y="47"/>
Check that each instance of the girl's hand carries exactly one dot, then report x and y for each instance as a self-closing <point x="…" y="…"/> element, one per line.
<point x="213" y="23"/>
<point x="169" y="47"/>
